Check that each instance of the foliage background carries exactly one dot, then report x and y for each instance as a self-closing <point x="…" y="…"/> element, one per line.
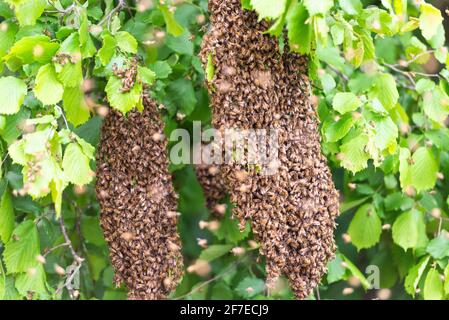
<point x="384" y="132"/>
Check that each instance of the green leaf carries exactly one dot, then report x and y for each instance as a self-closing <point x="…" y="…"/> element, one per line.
<point x="6" y="217"/>
<point x="181" y="44"/>
<point x="414" y="276"/>
<point x="107" y="51"/>
<point x="433" y="286"/>
<point x="33" y="281"/>
<point x="8" y="32"/>
<point x="162" y="69"/>
<point x="429" y="20"/>
<point x="335" y="270"/>
<point x="386" y="133"/>
<point x="353" y="154"/>
<point x="221" y="291"/>
<point x="76" y="165"/>
<point x="446" y="281"/>
<point x="385" y="90"/>
<point x="122" y="101"/>
<point x="28" y="11"/>
<point x="318" y="7"/>
<point x="147" y="75"/>
<point x="250" y="287"/>
<point x="75" y="106"/>
<point x="365" y="228"/>
<point x="351" y="7"/>
<point x="91" y="231"/>
<point x="406" y="229"/>
<point x="439" y="247"/>
<point x="182" y="93"/>
<point x="126" y="42"/>
<point x="13" y="92"/>
<point x="424" y="169"/>
<point x="70" y="73"/>
<point x="173" y="27"/>
<point x="336" y="131"/>
<point x="23" y="248"/>
<point x="210" y="68"/>
<point x="268" y="8"/>
<point x="345" y="102"/>
<point x="215" y="252"/>
<point x="300" y="31"/>
<point x="436" y="105"/>
<point x="31" y="49"/>
<point x="48" y="89"/>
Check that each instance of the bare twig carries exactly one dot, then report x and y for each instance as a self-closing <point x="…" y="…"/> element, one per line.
<point x="406" y="74"/>
<point x="68" y="241"/>
<point x="121" y="4"/>
<point x="48" y="251"/>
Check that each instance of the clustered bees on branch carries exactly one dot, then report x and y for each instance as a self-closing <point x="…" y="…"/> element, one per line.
<point x="138" y="203"/>
<point x="255" y="86"/>
<point x="292" y="211"/>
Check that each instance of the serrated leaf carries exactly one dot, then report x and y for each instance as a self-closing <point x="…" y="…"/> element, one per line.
<point x="13" y="92"/>
<point x="122" y="101"/>
<point x="173" y="27"/>
<point x="146" y="75"/>
<point x="352" y="7"/>
<point x="344" y="102"/>
<point x="33" y="281"/>
<point x="6" y="216"/>
<point x="429" y="20"/>
<point x="336" y="131"/>
<point x="300" y="31"/>
<point x="433" y="286"/>
<point x="48" y="89"/>
<point x="268" y="8"/>
<point x="31" y="49"/>
<point x="438" y="248"/>
<point x="28" y="11"/>
<point x="406" y="229"/>
<point x="23" y="248"/>
<point x="162" y="69"/>
<point x="424" y="169"/>
<point x="214" y="252"/>
<point x="385" y="90"/>
<point x="75" y="165"/>
<point x="75" y="106"/>
<point x="353" y="154"/>
<point x="107" y="51"/>
<point x="318" y="7"/>
<point x="365" y="228"/>
<point x="414" y="276"/>
<point x="335" y="270"/>
<point x="182" y="93"/>
<point x="126" y="42"/>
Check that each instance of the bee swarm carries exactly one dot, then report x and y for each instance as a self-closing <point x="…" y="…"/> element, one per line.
<point x="136" y="196"/>
<point x="256" y="87"/>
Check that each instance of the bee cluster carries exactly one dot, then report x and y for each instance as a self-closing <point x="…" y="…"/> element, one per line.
<point x="213" y="186"/>
<point x="138" y="203"/>
<point x="128" y="75"/>
<point x="255" y="86"/>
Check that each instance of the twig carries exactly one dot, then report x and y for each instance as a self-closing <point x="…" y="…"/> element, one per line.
<point x="48" y="251"/>
<point x="68" y="241"/>
<point x="406" y="74"/>
<point x="121" y="4"/>
<point x="409" y="62"/>
<point x="63" y="116"/>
